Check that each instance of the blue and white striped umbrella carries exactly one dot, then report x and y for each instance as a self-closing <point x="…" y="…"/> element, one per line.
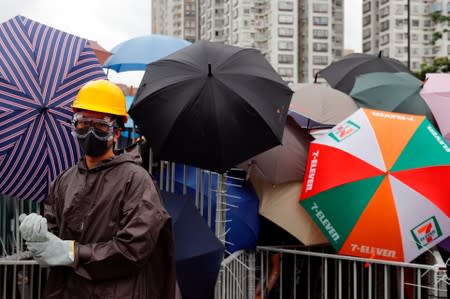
<point x="41" y="71"/>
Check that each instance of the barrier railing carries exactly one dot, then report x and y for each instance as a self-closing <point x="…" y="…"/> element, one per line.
<point x="308" y="274"/>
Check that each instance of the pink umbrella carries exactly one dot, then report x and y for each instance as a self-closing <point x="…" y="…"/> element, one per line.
<point x="436" y="93"/>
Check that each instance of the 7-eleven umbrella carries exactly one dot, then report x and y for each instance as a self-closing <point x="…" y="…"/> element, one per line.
<point x="377" y="185"/>
<point x="41" y="71"/>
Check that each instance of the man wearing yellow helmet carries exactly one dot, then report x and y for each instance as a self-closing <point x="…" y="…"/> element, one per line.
<point x="104" y="218"/>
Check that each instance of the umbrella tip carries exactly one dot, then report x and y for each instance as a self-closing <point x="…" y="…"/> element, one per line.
<point x="43" y="109"/>
<point x="209" y="70"/>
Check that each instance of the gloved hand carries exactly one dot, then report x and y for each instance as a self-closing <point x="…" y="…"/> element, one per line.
<point x="53" y="252"/>
<point x="46" y="248"/>
<point x="33" y="227"/>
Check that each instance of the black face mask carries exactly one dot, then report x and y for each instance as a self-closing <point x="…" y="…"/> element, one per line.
<point x="92" y="146"/>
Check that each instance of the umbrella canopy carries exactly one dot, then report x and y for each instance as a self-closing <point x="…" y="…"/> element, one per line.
<point x="395" y="92"/>
<point x="101" y="53"/>
<point x="321" y="104"/>
<point x="445" y="244"/>
<point x="198" y="252"/>
<point x="436" y="93"/>
<point x="305" y="122"/>
<point x="284" y="163"/>
<point x="220" y="104"/>
<point x="41" y="71"/>
<point x="377" y="185"/>
<point x="136" y="53"/>
<point x="242" y="224"/>
<point x="341" y="74"/>
<point x="279" y="204"/>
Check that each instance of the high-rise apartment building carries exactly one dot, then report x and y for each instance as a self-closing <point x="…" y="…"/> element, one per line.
<point x="175" y="18"/>
<point x="298" y="37"/>
<point x="321" y="35"/>
<point x="385" y="29"/>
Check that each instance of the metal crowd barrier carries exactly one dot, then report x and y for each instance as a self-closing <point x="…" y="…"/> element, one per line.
<point x="304" y="273"/>
<point x="19" y="279"/>
<point x="237" y="276"/>
<point x="312" y="274"/>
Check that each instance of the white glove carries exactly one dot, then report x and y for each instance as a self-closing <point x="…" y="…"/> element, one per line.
<point x="33" y="227"/>
<point x="46" y="248"/>
<point x="53" y="252"/>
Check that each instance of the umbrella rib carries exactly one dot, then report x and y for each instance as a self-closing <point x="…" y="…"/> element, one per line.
<point x="188" y="104"/>
<point x="253" y="108"/>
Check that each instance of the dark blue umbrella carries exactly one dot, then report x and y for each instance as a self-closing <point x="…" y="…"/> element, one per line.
<point x="242" y="226"/>
<point x="41" y="71"/>
<point x="134" y="54"/>
<point x="198" y="252"/>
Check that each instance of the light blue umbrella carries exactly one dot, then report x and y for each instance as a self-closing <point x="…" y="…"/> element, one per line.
<point x="129" y="125"/>
<point x="134" y="54"/>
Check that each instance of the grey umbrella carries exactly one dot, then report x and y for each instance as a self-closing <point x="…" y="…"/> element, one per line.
<point x="342" y="73"/>
<point x="321" y="104"/>
<point x="286" y="162"/>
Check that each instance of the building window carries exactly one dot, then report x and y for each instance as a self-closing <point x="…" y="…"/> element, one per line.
<point x="285" y="19"/>
<point x="384" y="25"/>
<point x="320" y="33"/>
<point x="285" y="45"/>
<point x="285" y="58"/>
<point x="320" y="60"/>
<point x="384" y="11"/>
<point x="320" y="7"/>
<point x="286" y="5"/>
<point x="235" y="38"/>
<point x="384" y="39"/>
<point x="320" y="47"/>
<point x="321" y="21"/>
<point x="366" y="33"/>
<point x="366" y="20"/>
<point x="366" y="7"/>
<point x="285" y="32"/>
<point x="286" y="71"/>
<point x="367" y="46"/>
<point x="415" y="23"/>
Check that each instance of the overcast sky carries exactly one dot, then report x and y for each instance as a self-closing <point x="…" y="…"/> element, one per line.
<point x="110" y="22"/>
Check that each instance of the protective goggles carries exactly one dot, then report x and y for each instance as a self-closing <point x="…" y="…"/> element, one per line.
<point x="103" y="129"/>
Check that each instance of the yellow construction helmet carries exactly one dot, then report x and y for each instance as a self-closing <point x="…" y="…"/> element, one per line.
<point x="101" y="96"/>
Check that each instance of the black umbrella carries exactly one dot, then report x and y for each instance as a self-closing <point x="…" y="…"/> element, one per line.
<point x="211" y="106"/>
<point x="341" y="74"/>
<point x="198" y="252"/>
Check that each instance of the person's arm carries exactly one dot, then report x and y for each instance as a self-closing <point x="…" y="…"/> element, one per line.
<point x="275" y="260"/>
<point x="143" y="219"/>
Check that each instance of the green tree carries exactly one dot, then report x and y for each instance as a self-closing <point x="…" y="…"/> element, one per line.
<point x="437" y="17"/>
<point x="439" y="65"/>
